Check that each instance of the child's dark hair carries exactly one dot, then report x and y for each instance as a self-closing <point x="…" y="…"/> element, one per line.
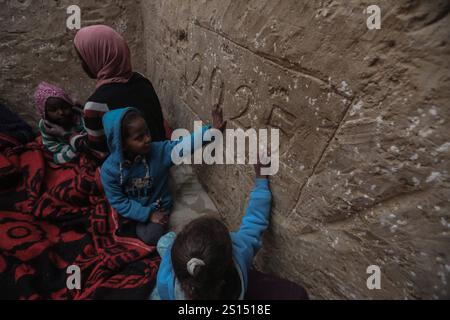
<point x="127" y="120"/>
<point x="205" y="239"/>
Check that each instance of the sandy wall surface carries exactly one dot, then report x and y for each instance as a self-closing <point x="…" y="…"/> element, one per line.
<point x="36" y="46"/>
<point x="363" y="116"/>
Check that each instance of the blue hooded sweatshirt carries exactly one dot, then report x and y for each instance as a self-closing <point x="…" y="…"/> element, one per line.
<point x="246" y="243"/>
<point x="132" y="188"/>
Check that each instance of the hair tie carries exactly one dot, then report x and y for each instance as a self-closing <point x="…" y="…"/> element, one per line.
<point x="192" y="264"/>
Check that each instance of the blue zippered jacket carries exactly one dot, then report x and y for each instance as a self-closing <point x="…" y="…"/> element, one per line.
<point x="128" y="190"/>
<point x="246" y="243"/>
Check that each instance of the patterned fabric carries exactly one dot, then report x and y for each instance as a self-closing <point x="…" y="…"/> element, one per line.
<point x="52" y="217"/>
<point x="46" y="90"/>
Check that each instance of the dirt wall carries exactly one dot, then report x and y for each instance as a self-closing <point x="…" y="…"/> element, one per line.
<point x="363" y="116"/>
<point x="36" y="46"/>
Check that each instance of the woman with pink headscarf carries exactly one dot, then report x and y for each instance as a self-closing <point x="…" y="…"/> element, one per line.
<point x="105" y="56"/>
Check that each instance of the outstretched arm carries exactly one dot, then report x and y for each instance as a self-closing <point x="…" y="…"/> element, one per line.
<point x="188" y="143"/>
<point x="247" y="241"/>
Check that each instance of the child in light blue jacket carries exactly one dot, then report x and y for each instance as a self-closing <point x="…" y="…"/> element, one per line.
<point x="205" y="261"/>
<point x="135" y="176"/>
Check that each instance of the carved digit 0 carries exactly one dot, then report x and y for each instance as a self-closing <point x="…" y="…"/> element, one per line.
<point x="195" y="71"/>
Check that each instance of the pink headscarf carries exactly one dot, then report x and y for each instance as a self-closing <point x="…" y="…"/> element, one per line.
<point x="46" y="90"/>
<point x="105" y="52"/>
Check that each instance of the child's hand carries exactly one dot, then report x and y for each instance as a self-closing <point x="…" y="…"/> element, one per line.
<point x="158" y="204"/>
<point x="79" y="108"/>
<point x="258" y="166"/>
<point x="159" y="217"/>
<point x="54" y="129"/>
<point x="217" y="119"/>
<point x="79" y="142"/>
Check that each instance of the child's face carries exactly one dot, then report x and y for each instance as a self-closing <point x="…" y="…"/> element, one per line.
<point x="138" y="138"/>
<point x="59" y="111"/>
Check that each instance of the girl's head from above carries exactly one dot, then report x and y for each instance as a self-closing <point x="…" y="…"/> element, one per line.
<point x="202" y="260"/>
<point x="136" y="139"/>
<point x="54" y="105"/>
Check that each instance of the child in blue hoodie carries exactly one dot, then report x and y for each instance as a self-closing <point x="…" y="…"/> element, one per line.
<point x="135" y="176"/>
<point x="205" y="261"/>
